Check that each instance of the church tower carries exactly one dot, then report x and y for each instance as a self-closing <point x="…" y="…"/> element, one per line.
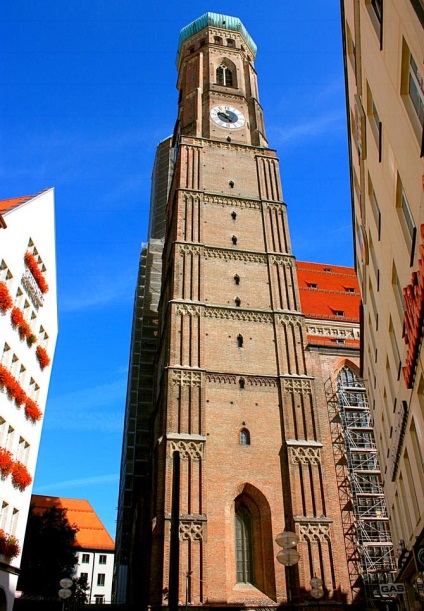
<point x="240" y="444"/>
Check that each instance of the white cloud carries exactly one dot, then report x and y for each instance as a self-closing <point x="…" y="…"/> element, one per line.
<point x="76" y="483"/>
<point x="92" y="409"/>
<point x="313" y="128"/>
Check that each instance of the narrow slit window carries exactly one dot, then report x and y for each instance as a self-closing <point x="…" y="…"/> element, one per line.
<point x="244" y="437"/>
<point x="240" y="341"/>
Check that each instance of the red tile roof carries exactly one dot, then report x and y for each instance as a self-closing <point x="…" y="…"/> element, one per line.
<point x="326" y="291"/>
<point x="91" y="534"/>
<point x="8" y="204"/>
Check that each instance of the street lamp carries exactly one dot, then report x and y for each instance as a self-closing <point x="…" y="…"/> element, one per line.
<point x="288" y="556"/>
<point x="317" y="590"/>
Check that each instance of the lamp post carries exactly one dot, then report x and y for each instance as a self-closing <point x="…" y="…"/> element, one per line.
<point x="317" y="590"/>
<point x="288" y="556"/>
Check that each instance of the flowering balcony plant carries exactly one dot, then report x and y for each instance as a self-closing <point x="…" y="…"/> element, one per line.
<point x="5" y="298"/>
<point x="9" y="546"/>
<point x="32" y="411"/>
<point x="16" y="392"/>
<point x="6" y="462"/>
<point x="19" y="323"/>
<point x="33" y="267"/>
<point x="20" y="476"/>
<point x="43" y="357"/>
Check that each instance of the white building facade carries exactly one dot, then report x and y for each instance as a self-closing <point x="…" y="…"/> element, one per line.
<point x="28" y="332"/>
<point x="97" y="567"/>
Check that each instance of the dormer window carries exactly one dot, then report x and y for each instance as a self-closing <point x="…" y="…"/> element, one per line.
<point x="312" y="285"/>
<point x="327" y="270"/>
<point x="349" y="289"/>
<point x="339" y="313"/>
<point x="224" y="76"/>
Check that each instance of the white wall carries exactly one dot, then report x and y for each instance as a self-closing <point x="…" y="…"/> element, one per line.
<point x="35" y="220"/>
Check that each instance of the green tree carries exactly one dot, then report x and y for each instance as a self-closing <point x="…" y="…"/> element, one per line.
<point x="80" y="590"/>
<point x="48" y="553"/>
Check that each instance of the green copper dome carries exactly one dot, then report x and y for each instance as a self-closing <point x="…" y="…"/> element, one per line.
<point x="225" y="22"/>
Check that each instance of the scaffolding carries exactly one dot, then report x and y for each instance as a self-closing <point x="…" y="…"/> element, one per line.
<point x="368" y="543"/>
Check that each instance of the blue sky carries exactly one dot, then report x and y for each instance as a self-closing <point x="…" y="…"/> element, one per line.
<point x="88" y="91"/>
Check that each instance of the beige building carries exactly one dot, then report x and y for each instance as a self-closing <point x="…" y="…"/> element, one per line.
<point x="383" y="51"/>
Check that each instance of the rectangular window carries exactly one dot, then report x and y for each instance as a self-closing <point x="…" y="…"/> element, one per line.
<point x="405" y="218"/>
<point x="101" y="579"/>
<point x="9" y="437"/>
<point x="99" y="599"/>
<point x="374" y="206"/>
<point x="3" y="429"/>
<point x="350" y="47"/>
<point x="84" y="577"/>
<point x="416" y="89"/>
<point x="23" y="451"/>
<point x="85" y="558"/>
<point x="395" y="348"/>
<point x="14" y="521"/>
<point x="4" y="511"/>
<point x="359" y="128"/>
<point x="102" y="559"/>
<point x="412" y="91"/>
<point x="374" y="119"/>
<point x="375" y="11"/>
<point x="398" y="293"/>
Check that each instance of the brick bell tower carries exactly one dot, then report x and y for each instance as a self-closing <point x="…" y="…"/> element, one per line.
<point x="240" y="449"/>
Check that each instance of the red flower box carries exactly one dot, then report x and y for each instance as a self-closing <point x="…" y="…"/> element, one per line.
<point x="20" y="476"/>
<point x="6" y="462"/>
<point x="9" y="546"/>
<point x="32" y="411"/>
<point x="43" y="357"/>
<point x="19" y="323"/>
<point x="5" y="298"/>
<point x="12" y="386"/>
<point x="33" y="267"/>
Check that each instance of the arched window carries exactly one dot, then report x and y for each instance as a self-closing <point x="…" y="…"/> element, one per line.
<point x="217" y="40"/>
<point x="244" y="437"/>
<point x="237" y="302"/>
<point x="234" y="239"/>
<point x="241" y="383"/>
<point x="244" y="545"/>
<point x="236" y="279"/>
<point x="234" y="215"/>
<point x="240" y="341"/>
<point x="224" y="76"/>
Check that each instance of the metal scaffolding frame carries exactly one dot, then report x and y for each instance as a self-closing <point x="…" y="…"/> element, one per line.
<point x="368" y="543"/>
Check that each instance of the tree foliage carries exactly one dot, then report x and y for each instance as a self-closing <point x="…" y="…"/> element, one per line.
<point x="80" y="590"/>
<point x="48" y="553"/>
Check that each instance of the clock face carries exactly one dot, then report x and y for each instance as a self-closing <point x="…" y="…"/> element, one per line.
<point x="227" y="116"/>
